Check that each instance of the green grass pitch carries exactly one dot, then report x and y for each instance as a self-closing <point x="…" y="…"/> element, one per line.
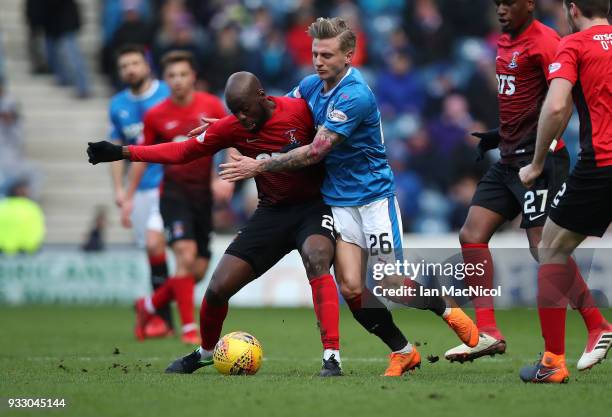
<point x="70" y="352"/>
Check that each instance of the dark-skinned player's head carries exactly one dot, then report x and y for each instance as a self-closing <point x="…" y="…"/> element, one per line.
<point x="133" y="67"/>
<point x="180" y="73"/>
<point x="589" y="9"/>
<point x="246" y="99"/>
<point x="514" y="15"/>
<point x="333" y="46"/>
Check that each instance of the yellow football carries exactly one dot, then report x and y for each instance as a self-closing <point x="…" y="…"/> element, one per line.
<point x="237" y="353"/>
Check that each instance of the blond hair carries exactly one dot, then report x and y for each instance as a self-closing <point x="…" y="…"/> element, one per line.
<point x="332" y="27"/>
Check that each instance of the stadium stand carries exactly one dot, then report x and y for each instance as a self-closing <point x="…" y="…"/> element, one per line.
<point x="406" y="49"/>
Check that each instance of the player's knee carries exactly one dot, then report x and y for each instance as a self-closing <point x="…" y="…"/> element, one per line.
<point x="215" y="297"/>
<point x="553" y="252"/>
<point x="469" y="235"/>
<point x="350" y="292"/>
<point x="155" y="245"/>
<point x="220" y="287"/>
<point x="317" y="261"/>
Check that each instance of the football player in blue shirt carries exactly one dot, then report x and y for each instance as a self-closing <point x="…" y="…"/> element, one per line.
<point x="126" y="112"/>
<point x="359" y="187"/>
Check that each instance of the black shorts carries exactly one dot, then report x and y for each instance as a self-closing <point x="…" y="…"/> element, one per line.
<point x="187" y="220"/>
<point x="584" y="202"/>
<point x="273" y="232"/>
<point x="501" y="190"/>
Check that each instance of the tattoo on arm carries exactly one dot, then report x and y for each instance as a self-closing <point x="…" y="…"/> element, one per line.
<point x="306" y="155"/>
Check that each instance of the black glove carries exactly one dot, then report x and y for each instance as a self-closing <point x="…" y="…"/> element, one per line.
<point x="103" y="152"/>
<point x="488" y="140"/>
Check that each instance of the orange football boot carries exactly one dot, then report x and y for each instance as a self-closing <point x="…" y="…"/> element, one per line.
<point x="550" y="369"/>
<point x="402" y="362"/>
<point x="463" y="326"/>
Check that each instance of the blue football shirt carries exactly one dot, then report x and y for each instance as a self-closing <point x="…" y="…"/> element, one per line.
<point x="126" y="112"/>
<point x="358" y="172"/>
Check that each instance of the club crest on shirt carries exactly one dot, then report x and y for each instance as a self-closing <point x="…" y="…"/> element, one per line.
<point x="514" y="63"/>
<point x="290" y="135"/>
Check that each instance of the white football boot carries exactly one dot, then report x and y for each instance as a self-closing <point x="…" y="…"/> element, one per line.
<point x="598" y="345"/>
<point x="487" y="346"/>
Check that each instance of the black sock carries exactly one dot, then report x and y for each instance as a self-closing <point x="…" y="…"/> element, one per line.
<point x="376" y="319"/>
<point x="159" y="274"/>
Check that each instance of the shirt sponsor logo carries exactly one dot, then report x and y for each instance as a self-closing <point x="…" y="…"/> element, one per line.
<point x="554" y="67"/>
<point x="506" y="84"/>
<point x="171" y="125"/>
<point x="132" y="131"/>
<point x="200" y="138"/>
<point x="603" y="37"/>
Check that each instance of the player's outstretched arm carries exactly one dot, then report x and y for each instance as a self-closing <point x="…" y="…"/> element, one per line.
<point x="163" y="153"/>
<point x="244" y="167"/>
<point x="555" y="114"/>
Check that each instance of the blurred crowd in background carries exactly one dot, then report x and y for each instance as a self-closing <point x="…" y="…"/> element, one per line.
<point x="431" y="64"/>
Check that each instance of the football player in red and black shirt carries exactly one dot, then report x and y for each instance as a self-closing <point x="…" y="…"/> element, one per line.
<point x="291" y="213"/>
<point x="525" y="50"/>
<point x="582" y="207"/>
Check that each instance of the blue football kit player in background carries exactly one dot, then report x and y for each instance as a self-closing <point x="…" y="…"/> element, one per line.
<point x="126" y="112"/>
<point x="359" y="187"/>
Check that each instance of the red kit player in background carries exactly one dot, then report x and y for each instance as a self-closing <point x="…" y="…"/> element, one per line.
<point x="583" y="205"/>
<point x="526" y="48"/>
<point x="290" y="215"/>
<point x="186" y="198"/>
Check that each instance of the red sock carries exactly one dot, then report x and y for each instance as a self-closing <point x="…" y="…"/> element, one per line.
<point x="580" y="298"/>
<point x="325" y="299"/>
<point x="211" y="323"/>
<point x="553" y="282"/>
<point x="162" y="295"/>
<point x="183" y="294"/>
<point x="479" y="253"/>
